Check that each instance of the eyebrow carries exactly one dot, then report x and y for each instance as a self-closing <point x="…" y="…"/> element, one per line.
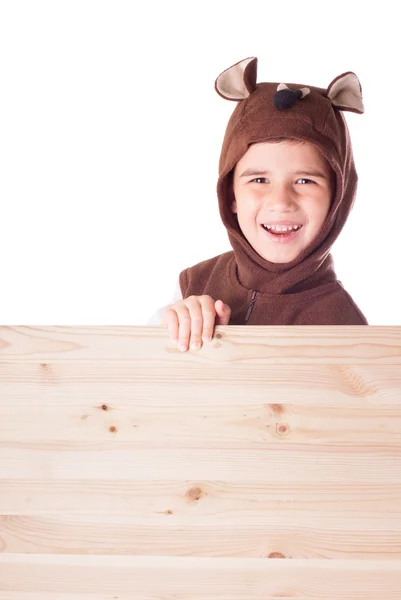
<point x="257" y="172"/>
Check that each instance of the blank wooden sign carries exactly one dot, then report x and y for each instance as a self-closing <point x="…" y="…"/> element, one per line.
<point x="265" y="465"/>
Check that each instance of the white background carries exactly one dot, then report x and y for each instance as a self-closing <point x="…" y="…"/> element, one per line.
<point x="110" y="135"/>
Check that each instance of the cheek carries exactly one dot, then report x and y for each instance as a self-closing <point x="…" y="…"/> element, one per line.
<point x="320" y="202"/>
<point x="320" y="212"/>
<point x="248" y="198"/>
<point x="327" y="201"/>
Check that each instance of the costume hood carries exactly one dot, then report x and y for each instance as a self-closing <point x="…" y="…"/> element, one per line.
<point x="292" y="110"/>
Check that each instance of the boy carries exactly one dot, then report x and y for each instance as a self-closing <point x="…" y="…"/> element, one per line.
<point x="287" y="183"/>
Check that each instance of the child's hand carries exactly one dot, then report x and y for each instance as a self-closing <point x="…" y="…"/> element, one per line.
<point x="193" y="319"/>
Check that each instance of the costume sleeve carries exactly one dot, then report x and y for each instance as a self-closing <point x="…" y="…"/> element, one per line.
<point x="156" y="318"/>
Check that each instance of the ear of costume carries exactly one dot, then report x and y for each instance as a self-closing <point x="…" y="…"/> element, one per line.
<point x="239" y="81"/>
<point x="345" y="93"/>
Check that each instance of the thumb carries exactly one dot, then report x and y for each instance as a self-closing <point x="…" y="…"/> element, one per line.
<point x="223" y="313"/>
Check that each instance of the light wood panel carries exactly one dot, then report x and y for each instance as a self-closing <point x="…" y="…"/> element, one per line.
<point x="131" y="470"/>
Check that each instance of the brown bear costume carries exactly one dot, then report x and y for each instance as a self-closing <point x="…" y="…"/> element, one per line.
<point x="304" y="291"/>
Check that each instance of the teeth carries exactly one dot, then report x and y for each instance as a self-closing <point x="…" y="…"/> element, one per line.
<point x="282" y="228"/>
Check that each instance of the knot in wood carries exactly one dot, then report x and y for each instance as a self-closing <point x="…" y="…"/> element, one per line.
<point x="282" y="428"/>
<point x="277" y="408"/>
<point x="194" y="494"/>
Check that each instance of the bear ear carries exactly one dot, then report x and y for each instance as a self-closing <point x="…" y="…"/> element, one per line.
<point x="239" y="81"/>
<point x="345" y="92"/>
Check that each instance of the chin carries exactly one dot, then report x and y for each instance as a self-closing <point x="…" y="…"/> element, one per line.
<point x="282" y="259"/>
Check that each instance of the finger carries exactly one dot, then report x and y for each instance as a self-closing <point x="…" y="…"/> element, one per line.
<point x="196" y="313"/>
<point x="209" y="317"/>
<point x="223" y="313"/>
<point x="187" y="311"/>
<point x="170" y="319"/>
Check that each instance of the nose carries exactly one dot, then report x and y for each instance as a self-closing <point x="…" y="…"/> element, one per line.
<point x="279" y="197"/>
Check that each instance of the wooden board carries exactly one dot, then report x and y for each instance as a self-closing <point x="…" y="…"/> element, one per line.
<point x="130" y="470"/>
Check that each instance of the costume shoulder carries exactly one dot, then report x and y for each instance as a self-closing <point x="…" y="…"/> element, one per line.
<point x="355" y="311"/>
<point x="194" y="280"/>
<point x="335" y="308"/>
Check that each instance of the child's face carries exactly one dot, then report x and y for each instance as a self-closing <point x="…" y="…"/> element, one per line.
<point x="284" y="181"/>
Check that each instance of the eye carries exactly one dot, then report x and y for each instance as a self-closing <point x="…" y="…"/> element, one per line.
<point x="257" y="179"/>
<point x="303" y="179"/>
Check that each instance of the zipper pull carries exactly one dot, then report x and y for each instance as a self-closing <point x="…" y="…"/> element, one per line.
<point x="250" y="309"/>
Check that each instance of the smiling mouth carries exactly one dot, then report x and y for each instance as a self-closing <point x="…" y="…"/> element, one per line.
<point x="289" y="232"/>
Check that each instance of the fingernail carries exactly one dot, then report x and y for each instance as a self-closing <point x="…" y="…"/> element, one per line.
<point x="195" y="346"/>
<point x="206" y="339"/>
<point x="183" y="348"/>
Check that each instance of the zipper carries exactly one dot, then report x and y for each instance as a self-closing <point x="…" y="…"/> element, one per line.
<point x="252" y="304"/>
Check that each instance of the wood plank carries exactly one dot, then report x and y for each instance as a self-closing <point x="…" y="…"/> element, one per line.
<point x="254" y="535"/>
<point x="157" y="578"/>
<point x="297" y="464"/>
<point x="222" y="499"/>
<point x="239" y="344"/>
<point x="171" y="424"/>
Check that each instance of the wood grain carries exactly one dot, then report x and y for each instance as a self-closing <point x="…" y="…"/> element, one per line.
<point x="131" y="470"/>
